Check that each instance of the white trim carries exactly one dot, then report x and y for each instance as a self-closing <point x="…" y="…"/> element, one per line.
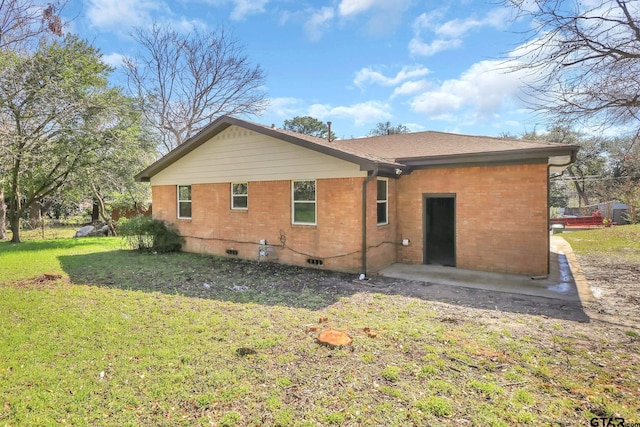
<point x="246" y="195"/>
<point x="315" y="202"/>
<point x="385" y="201"/>
<point x="178" y="201"/>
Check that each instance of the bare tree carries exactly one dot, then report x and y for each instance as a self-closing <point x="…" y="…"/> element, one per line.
<point x="186" y="81"/>
<point x="21" y="21"/>
<point x="586" y="59"/>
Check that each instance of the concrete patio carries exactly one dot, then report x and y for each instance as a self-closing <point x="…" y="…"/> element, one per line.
<point x="565" y="281"/>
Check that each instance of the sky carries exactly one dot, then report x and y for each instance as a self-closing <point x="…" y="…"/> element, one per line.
<point x="429" y="65"/>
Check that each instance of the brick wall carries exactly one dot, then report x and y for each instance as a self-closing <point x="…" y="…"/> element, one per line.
<point x="501" y="220"/>
<point x="381" y="239"/>
<point x="214" y="227"/>
<point x="501" y="216"/>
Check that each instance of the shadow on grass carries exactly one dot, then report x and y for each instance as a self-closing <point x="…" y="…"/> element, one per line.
<point x="242" y="281"/>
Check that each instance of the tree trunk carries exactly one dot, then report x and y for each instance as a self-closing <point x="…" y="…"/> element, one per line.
<point x="3" y="216"/>
<point x="580" y="186"/>
<point x="95" y="212"/>
<point x="14" y="222"/>
<point x="35" y="214"/>
<point x="15" y="211"/>
<point x="102" y="211"/>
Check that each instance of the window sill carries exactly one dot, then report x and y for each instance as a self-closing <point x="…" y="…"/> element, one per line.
<point x="304" y="225"/>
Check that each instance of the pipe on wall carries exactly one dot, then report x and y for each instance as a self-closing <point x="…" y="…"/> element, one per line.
<point x="370" y="177"/>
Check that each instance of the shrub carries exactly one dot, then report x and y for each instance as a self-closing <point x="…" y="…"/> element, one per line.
<point x="149" y="235"/>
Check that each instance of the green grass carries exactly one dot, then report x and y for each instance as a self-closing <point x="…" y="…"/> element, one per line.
<point x="128" y="339"/>
<point x="20" y="261"/>
<point x="49" y="232"/>
<point x="620" y="241"/>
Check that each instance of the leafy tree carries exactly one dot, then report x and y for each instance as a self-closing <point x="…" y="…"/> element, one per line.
<point x="58" y="118"/>
<point x="22" y="22"/>
<point x="186" y="81"/>
<point x="386" y="128"/>
<point x="110" y="176"/>
<point x="308" y="125"/>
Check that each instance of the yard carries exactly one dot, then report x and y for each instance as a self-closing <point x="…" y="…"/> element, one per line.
<point x="123" y="338"/>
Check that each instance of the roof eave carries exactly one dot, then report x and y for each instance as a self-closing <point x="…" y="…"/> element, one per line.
<point x="541" y="155"/>
<point x="225" y="122"/>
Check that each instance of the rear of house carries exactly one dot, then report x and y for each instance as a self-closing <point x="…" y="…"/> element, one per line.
<point x="245" y="190"/>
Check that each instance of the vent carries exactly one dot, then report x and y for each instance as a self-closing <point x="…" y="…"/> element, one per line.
<point x="313" y="261"/>
<point x="232" y="252"/>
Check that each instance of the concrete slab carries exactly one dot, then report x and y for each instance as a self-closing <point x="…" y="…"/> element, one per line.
<point x="559" y="284"/>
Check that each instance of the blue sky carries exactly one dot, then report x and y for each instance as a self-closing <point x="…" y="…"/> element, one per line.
<point x="429" y="65"/>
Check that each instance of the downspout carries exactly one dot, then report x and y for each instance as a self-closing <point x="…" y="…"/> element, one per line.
<point x="572" y="159"/>
<point x="548" y="218"/>
<point x="370" y="177"/>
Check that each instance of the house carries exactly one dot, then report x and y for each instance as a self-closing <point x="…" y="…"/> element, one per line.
<point x="242" y="189"/>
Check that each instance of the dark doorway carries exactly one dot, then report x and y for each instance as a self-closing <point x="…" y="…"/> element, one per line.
<point x="440" y="230"/>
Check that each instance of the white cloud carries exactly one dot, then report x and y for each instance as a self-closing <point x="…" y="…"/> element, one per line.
<point x="120" y="17"/>
<point x="450" y="34"/>
<point x="113" y="59"/>
<point x="243" y="8"/>
<point x="119" y="14"/>
<point x="371" y="111"/>
<point x="420" y="48"/>
<point x="368" y="75"/>
<point x="483" y="90"/>
<point x="410" y="88"/>
<point x="318" y="23"/>
<point x="360" y="114"/>
<point x="240" y="8"/>
<point x="456" y="28"/>
<point x="383" y="16"/>
<point x="285" y="106"/>
<point x="353" y="7"/>
<point x="415" y="127"/>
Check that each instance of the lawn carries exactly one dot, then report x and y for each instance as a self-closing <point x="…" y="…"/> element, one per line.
<point x="128" y="339"/>
<point x="621" y="242"/>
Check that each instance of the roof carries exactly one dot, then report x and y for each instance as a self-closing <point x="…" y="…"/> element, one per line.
<point x="390" y="154"/>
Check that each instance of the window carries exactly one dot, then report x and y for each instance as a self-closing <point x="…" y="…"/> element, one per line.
<point x="304" y="202"/>
<point x="184" y="201"/>
<point x="239" y="195"/>
<point x="383" y="202"/>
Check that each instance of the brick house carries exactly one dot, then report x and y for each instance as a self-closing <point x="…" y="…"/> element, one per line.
<point x="242" y="189"/>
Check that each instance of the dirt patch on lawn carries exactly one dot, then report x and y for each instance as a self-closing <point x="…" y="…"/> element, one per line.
<point x="615" y="284"/>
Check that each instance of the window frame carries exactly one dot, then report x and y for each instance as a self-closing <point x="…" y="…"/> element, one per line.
<point x="294" y="202"/>
<point x="179" y="201"/>
<point x="384" y="201"/>
<point x="234" y="195"/>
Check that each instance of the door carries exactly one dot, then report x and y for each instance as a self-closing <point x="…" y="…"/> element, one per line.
<point x="440" y="230"/>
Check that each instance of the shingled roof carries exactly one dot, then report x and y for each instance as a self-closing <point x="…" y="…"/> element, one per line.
<point x="389" y="154"/>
